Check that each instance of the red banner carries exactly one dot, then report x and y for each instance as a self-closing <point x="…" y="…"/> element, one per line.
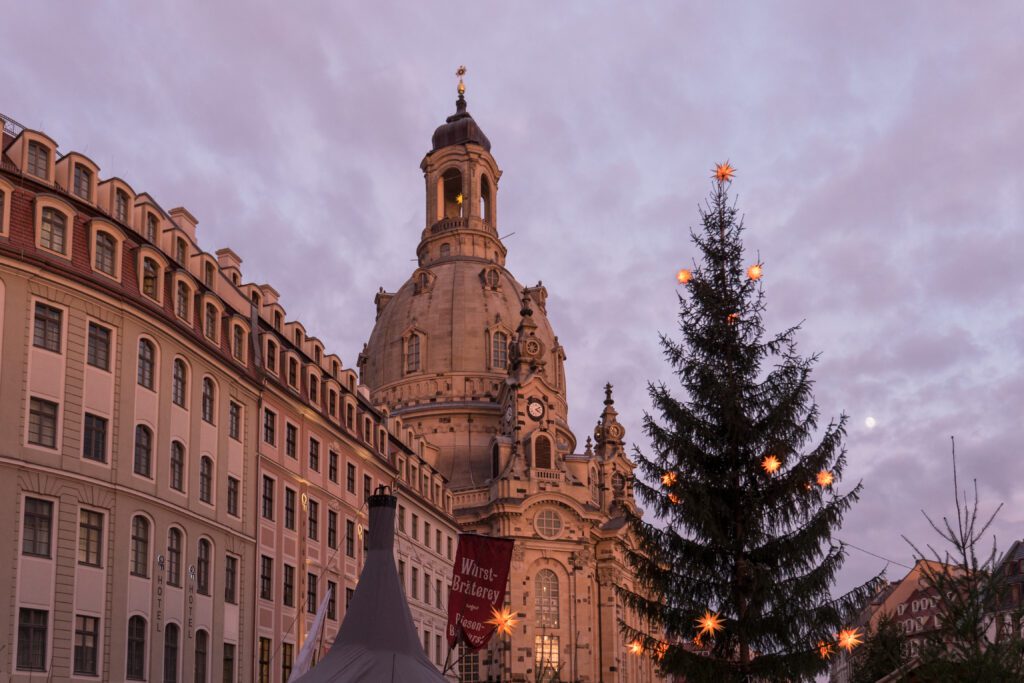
<point x="478" y="588"/>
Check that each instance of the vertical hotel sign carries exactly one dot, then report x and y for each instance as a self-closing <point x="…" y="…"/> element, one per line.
<point x="478" y="588"/>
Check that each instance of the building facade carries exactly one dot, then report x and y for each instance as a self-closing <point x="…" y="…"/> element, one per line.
<point x="183" y="472"/>
<point x="466" y="357"/>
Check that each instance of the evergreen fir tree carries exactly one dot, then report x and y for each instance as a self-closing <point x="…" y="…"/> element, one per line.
<point x="884" y="651"/>
<point x="736" y="537"/>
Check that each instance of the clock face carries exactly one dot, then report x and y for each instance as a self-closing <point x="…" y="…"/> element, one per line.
<point x="533" y="347"/>
<point x="615" y="431"/>
<point x="535" y="409"/>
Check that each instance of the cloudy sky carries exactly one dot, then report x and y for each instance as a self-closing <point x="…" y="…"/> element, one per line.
<point x="877" y="147"/>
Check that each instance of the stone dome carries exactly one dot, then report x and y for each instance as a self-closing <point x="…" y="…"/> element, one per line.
<point x="455" y="315"/>
<point x="458" y="129"/>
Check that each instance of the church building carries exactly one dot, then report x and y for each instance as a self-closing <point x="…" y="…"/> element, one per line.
<point x="464" y="355"/>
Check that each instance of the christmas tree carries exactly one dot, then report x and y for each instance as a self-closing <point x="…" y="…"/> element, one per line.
<point x="737" y="570"/>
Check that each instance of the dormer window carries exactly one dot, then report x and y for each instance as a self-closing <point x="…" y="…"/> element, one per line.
<point x="293" y="372"/>
<point x="238" y="343"/>
<point x="298" y="338"/>
<point x="314" y="389"/>
<point x="317" y="355"/>
<point x="182" y="299"/>
<point x="412" y="353"/>
<point x="38" y="160"/>
<point x="208" y="274"/>
<point x="255" y="298"/>
<point x="272" y="356"/>
<point x="150" y="278"/>
<point x="212" y="318"/>
<point x="83" y="182"/>
<point x="332" y="401"/>
<point x="180" y="251"/>
<point x="234" y="279"/>
<point x="121" y="206"/>
<point x="53" y="230"/>
<point x="105" y="253"/>
<point x="337" y="369"/>
<point x="151" y="227"/>
<point x="278" y="321"/>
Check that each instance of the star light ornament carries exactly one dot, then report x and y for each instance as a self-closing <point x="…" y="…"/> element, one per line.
<point x="771" y="464"/>
<point x="825" y="649"/>
<point x="668" y="479"/>
<point x="710" y="624"/>
<point x="724" y="173"/>
<point x="825" y="478"/>
<point x="850" y="638"/>
<point x="502" y="621"/>
<point x="636" y="648"/>
<point x="684" y="276"/>
<point x="755" y="272"/>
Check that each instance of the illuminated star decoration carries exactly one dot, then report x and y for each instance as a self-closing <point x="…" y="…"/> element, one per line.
<point x="724" y="173"/>
<point x="673" y="498"/>
<point x="771" y="464"/>
<point x="825" y="649"/>
<point x="754" y="272"/>
<point x="850" y="638"/>
<point x="684" y="276"/>
<point x="710" y="623"/>
<point x="668" y="479"/>
<point x="732" y="318"/>
<point x="825" y="478"/>
<point x="636" y="648"/>
<point x="502" y="621"/>
<point x="660" y="650"/>
<point x="459" y="199"/>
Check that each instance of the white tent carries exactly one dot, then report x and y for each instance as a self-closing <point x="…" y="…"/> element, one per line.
<point x="377" y="642"/>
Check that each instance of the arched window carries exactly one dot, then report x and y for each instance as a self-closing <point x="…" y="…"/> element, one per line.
<point x="140" y="546"/>
<point x="105" y="246"/>
<point x="499" y="350"/>
<point x="174" y="557"/>
<point x="143" y="451"/>
<point x="208" y="400"/>
<point x="212" y="318"/>
<point x="135" y="669"/>
<point x="38" y="160"/>
<point x="546" y="585"/>
<point x="485" y="199"/>
<point x="203" y="567"/>
<point x="446" y="250"/>
<point x="179" y="382"/>
<point x="171" y="653"/>
<point x="182" y="300"/>
<point x="151" y="227"/>
<point x="542" y="453"/>
<point x="422" y="282"/>
<point x="150" y="274"/>
<point x="202" y="646"/>
<point x="491" y="278"/>
<point x="412" y="354"/>
<point x="53" y="231"/>
<point x="146" y="363"/>
<point x="452" y="198"/>
<point x="121" y="206"/>
<point x="206" y="479"/>
<point x="177" y="466"/>
<point x="495" y="462"/>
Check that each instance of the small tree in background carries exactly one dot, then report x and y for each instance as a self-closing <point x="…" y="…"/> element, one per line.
<point x="884" y="651"/>
<point x="978" y="637"/>
<point x="737" y="577"/>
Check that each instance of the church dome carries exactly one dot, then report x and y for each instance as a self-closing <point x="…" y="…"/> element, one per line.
<point x="458" y="308"/>
<point x="459" y="129"/>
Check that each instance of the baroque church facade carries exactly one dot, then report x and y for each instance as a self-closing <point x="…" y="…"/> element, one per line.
<point x="465" y="356"/>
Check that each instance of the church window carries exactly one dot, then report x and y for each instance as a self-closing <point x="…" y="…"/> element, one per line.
<point x="545" y="656"/>
<point x="548" y="524"/>
<point x="412" y="354"/>
<point x="446" y="250"/>
<point x="451" y="189"/>
<point x="542" y="453"/>
<point x="547" y="598"/>
<point x="499" y="350"/>
<point x="491" y="278"/>
<point x="495" y="462"/>
<point x="485" y="199"/>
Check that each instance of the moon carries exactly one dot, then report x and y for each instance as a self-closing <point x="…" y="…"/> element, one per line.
<point x="870" y="422"/>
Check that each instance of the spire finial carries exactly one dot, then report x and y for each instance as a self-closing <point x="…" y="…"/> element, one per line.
<point x="608" y="394"/>
<point x="460" y="72"/>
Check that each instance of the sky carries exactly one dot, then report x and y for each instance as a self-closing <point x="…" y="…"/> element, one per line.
<point x="876" y="145"/>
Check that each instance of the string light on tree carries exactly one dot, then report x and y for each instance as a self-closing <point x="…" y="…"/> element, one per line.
<point x="771" y="464"/>
<point x="710" y="624"/>
<point x="724" y="173"/>
<point x="684" y="276"/>
<point x="825" y="478"/>
<point x="502" y="621"/>
<point x="850" y="638"/>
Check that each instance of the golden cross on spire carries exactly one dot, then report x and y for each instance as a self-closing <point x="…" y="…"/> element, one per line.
<point x="460" y="72"/>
